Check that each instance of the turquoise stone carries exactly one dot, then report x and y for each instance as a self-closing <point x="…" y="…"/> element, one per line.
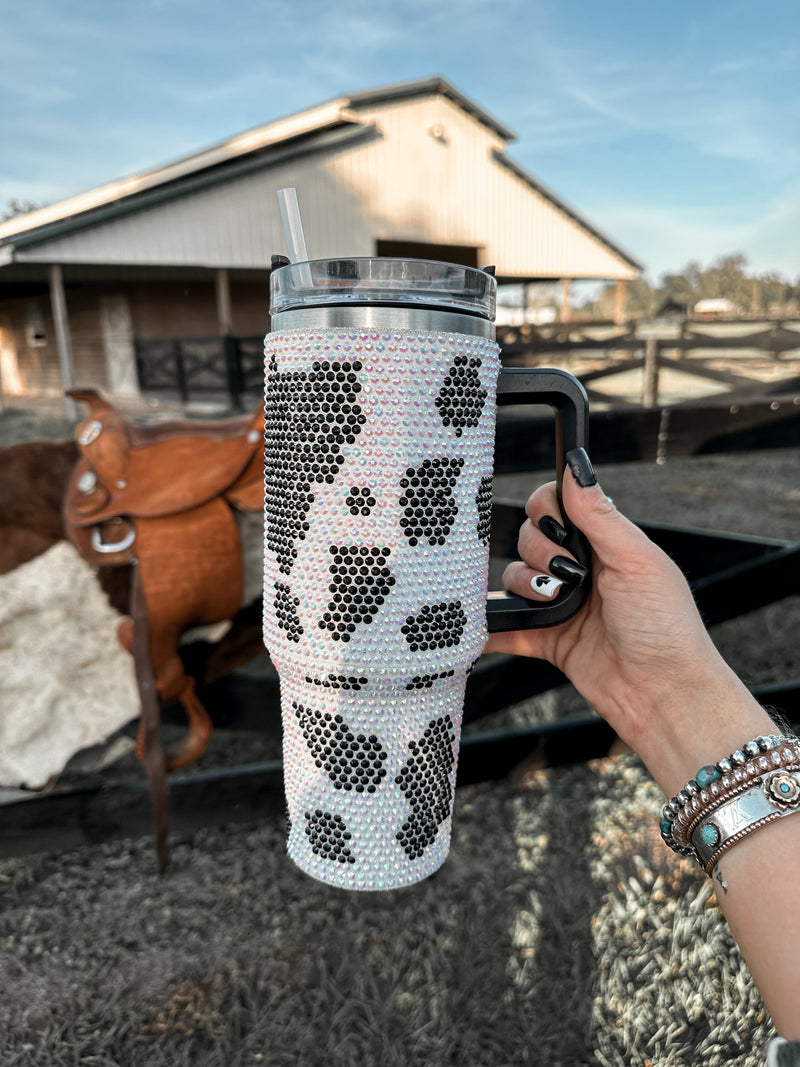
<point x="709" y="834"/>
<point x="706" y="775"/>
<point x="666" y="827"/>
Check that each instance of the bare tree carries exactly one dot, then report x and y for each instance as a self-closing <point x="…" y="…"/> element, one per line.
<point x="14" y="208"/>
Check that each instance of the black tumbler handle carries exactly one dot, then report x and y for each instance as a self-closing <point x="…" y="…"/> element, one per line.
<point x="567" y="397"/>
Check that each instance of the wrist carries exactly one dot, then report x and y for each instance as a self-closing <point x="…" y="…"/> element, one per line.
<point x="692" y="725"/>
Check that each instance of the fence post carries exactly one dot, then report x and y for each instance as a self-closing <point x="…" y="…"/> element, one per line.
<point x="650" y="391"/>
<point x="180" y="371"/>
<point x="230" y="350"/>
<point x="141" y="366"/>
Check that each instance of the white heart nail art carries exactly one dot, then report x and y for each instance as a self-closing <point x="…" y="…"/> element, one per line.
<point x="546" y="584"/>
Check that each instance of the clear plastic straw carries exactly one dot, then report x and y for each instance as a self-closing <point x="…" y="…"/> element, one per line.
<point x="293" y="229"/>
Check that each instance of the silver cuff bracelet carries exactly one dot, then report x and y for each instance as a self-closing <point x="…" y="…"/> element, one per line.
<point x="771" y="797"/>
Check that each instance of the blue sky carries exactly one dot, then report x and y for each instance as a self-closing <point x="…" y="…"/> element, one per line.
<point x="674" y="129"/>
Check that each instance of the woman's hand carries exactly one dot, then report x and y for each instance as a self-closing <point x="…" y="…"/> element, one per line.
<point x="637" y="650"/>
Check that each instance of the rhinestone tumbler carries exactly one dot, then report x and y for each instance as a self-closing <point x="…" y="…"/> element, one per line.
<point x="380" y="390"/>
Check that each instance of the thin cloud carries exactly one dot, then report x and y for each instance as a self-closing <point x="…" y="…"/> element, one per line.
<point x="670" y="97"/>
<point x="675" y="236"/>
<point x="733" y="66"/>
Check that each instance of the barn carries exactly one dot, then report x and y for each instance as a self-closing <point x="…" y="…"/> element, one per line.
<point x="159" y="280"/>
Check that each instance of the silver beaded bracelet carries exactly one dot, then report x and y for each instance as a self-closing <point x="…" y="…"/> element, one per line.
<point x="730" y="799"/>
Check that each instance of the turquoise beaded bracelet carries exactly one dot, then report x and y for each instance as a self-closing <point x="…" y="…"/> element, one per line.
<point x="715" y="783"/>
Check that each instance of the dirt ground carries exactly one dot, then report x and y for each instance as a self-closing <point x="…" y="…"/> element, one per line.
<point x="559" y="931"/>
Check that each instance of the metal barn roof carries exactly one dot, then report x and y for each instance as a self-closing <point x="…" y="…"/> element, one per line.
<point x="417" y="163"/>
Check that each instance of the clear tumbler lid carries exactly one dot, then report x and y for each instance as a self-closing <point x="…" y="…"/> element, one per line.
<point x="422" y="283"/>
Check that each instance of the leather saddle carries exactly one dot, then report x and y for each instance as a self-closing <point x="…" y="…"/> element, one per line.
<point x="162" y="496"/>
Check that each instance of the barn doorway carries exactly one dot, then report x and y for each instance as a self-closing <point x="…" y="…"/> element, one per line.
<point x="464" y="255"/>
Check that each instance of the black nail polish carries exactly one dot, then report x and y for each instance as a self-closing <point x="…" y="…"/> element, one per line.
<point x="567" y="570"/>
<point x="581" y="467"/>
<point x="552" y="529"/>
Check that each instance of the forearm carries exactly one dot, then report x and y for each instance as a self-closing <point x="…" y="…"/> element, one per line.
<point x="694" y="723"/>
<point x="756" y="885"/>
<point x="756" y="880"/>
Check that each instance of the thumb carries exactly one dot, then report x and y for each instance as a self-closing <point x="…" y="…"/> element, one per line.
<point x="612" y="537"/>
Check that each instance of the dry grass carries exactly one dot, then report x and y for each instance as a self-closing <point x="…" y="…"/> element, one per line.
<point x="559" y="932"/>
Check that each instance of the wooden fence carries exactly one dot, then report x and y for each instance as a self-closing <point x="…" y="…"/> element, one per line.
<point x="735" y="358"/>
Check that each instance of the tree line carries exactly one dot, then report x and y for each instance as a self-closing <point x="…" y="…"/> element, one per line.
<point x="18" y="207"/>
<point x="727" y="277"/>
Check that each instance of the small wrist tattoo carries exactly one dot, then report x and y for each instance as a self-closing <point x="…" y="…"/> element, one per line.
<point x="718" y="877"/>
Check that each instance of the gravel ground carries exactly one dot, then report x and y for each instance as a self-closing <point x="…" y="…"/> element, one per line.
<point x="559" y="932"/>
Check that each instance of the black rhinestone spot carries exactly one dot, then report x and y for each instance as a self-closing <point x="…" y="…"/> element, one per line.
<point x="352" y="763"/>
<point x="329" y="836"/>
<point x="286" y="607"/>
<point x="360" y="500"/>
<point x="483" y="502"/>
<point x="339" y="681"/>
<point x="428" y="500"/>
<point x="309" y="417"/>
<point x="361" y="581"/>
<point x="435" y="626"/>
<point x="461" y="398"/>
<point x="425" y="783"/>
<point x="425" y="681"/>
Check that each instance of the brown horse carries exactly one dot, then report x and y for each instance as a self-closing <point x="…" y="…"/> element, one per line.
<point x="33" y="480"/>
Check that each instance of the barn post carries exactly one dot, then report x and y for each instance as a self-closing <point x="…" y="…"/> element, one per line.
<point x="224" y="314"/>
<point x="58" y="304"/>
<point x="526" y="299"/>
<point x="619" y="302"/>
<point x="564" y="313"/>
<point x="225" y="326"/>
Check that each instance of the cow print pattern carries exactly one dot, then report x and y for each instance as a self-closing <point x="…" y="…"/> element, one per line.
<point x="286" y="607"/>
<point x="339" y="681"/>
<point x="328" y="836"/>
<point x="352" y="762"/>
<point x="428" y="500"/>
<point x="435" y="626"/>
<point x="425" y="783"/>
<point x="360" y="500"/>
<point x="309" y="417"/>
<point x="483" y="503"/>
<point x="425" y="681"/>
<point x="461" y="398"/>
<point x="361" y="583"/>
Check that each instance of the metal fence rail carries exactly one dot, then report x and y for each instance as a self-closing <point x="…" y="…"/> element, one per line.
<point x="199" y="366"/>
